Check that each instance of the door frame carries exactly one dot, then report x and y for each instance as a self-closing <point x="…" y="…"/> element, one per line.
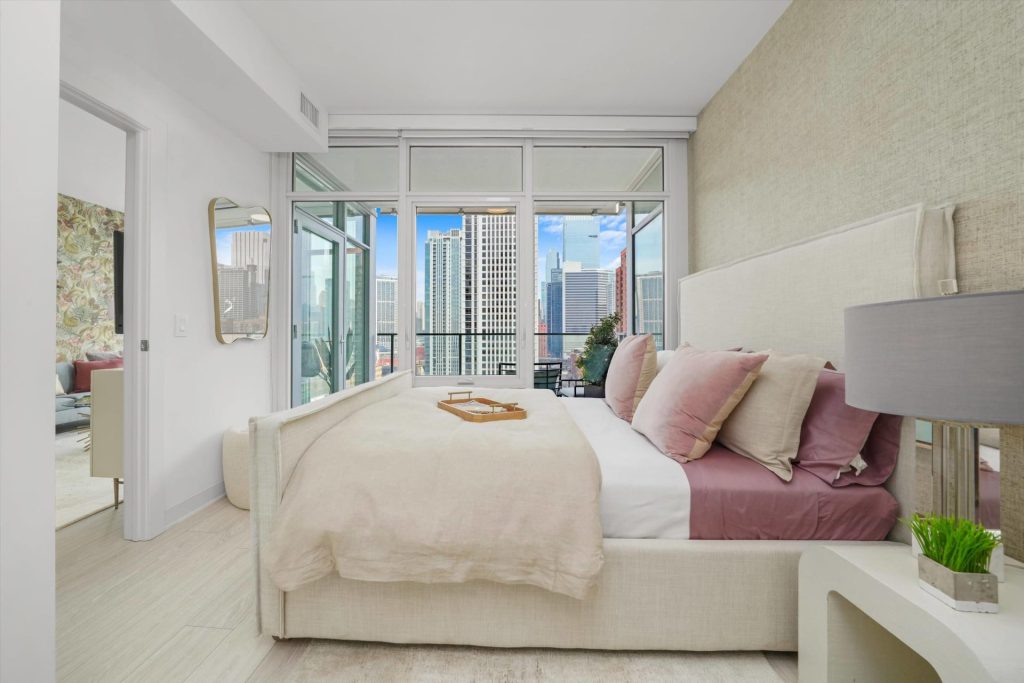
<point x="143" y="509"/>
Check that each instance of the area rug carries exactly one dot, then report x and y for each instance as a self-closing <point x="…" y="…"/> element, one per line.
<point x="324" y="661"/>
<point x="78" y="494"/>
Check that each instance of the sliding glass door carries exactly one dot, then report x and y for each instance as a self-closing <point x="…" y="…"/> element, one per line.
<point x="330" y="339"/>
<point x="466" y="301"/>
<point x="315" y="344"/>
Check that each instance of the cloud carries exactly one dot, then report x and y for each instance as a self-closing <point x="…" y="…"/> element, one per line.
<point x="552" y="225"/>
<point x="616" y="223"/>
<point x="613" y="265"/>
<point x="611" y="239"/>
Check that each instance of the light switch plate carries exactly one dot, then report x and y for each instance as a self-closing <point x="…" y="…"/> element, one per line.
<point x="180" y="325"/>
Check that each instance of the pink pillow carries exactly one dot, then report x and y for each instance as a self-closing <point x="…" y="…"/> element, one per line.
<point x="689" y="400"/>
<point x="630" y="373"/>
<point x="880" y="453"/>
<point x="833" y="434"/>
<point x="84" y="368"/>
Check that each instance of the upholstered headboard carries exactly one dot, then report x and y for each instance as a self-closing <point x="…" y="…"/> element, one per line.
<point x="792" y="298"/>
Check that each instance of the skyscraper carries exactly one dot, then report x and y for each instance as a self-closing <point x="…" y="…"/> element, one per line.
<point x="621" y="272"/>
<point x="554" y="313"/>
<point x="581" y="242"/>
<point x="387" y="303"/>
<point x="442" y="305"/>
<point x="585" y="297"/>
<point x="387" y="323"/>
<point x="252" y="248"/>
<point x="649" y="300"/>
<point x="489" y="304"/>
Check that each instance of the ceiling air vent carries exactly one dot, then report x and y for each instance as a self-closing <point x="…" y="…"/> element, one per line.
<point x="309" y="110"/>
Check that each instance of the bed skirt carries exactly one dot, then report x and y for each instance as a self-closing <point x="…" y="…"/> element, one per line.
<point x="652" y="595"/>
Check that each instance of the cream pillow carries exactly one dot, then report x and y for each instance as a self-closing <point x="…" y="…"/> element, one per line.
<point x="633" y="367"/>
<point x="60" y="388"/>
<point x="765" y="426"/>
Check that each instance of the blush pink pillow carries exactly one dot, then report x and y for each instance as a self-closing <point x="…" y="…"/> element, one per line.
<point x="689" y="400"/>
<point x="630" y="373"/>
<point x="833" y="434"/>
<point x="880" y="453"/>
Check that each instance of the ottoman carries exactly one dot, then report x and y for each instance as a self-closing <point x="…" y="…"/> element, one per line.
<point x="235" y="459"/>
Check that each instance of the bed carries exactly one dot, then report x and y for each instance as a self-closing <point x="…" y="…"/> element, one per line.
<point x="656" y="591"/>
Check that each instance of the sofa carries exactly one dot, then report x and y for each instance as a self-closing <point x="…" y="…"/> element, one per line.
<point x="67" y="416"/>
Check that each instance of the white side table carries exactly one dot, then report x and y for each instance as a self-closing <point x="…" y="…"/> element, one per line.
<point x="863" y="617"/>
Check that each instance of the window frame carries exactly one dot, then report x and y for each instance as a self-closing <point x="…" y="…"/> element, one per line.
<point x="674" y="231"/>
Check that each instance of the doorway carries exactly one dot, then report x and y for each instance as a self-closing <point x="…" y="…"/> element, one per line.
<point x="143" y="510"/>
<point x="89" y="410"/>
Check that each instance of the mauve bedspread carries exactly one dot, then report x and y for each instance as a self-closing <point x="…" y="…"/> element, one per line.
<point x="732" y="497"/>
<point x="403" y="491"/>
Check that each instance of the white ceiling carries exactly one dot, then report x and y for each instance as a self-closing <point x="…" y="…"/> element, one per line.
<point x="503" y="57"/>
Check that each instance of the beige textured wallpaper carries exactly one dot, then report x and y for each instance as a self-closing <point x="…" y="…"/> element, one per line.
<point x="847" y="109"/>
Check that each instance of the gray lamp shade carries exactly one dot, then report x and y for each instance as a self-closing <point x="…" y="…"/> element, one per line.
<point x="955" y="358"/>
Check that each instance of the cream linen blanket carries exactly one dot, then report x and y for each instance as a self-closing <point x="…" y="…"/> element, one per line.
<point x="404" y="491"/>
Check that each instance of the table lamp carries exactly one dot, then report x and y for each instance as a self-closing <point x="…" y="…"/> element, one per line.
<point x="955" y="360"/>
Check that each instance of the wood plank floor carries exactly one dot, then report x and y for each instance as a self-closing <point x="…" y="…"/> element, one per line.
<point x="181" y="608"/>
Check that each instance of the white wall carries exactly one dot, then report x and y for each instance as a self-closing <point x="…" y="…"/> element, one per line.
<point x="29" y="49"/>
<point x="91" y="158"/>
<point x="198" y="386"/>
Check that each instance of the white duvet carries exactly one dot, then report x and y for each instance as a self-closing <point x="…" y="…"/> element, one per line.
<point x="403" y="491"/>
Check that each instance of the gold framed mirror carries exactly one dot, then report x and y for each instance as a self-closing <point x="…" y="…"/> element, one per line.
<point x="240" y="239"/>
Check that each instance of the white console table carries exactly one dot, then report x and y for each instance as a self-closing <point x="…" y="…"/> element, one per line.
<point x="863" y="617"/>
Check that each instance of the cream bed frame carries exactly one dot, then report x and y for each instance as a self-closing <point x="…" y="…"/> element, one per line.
<point x="652" y="594"/>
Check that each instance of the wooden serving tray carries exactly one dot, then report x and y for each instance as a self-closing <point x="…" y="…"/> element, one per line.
<point x="480" y="409"/>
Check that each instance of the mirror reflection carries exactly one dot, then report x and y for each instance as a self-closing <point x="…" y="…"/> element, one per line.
<point x="937" y="483"/>
<point x="240" y="250"/>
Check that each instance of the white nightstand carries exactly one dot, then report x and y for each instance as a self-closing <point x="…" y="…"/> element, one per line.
<point x="863" y="617"/>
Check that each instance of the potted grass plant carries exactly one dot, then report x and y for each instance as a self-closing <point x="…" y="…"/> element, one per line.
<point x="954" y="561"/>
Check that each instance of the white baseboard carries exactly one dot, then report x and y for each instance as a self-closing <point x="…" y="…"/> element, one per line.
<point x="193" y="505"/>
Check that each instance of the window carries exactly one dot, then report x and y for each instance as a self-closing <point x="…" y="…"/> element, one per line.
<point x="648" y="272"/>
<point x="347" y="169"/>
<point x="598" y="169"/>
<point x="466" y="294"/>
<point x="456" y="305"/>
<point x="580" y="274"/>
<point x="385" y="249"/>
<point x="466" y="169"/>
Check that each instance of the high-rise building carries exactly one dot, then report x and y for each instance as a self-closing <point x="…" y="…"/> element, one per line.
<point x="581" y="241"/>
<point x="554" y="312"/>
<point x="552" y="262"/>
<point x="387" y="322"/>
<point x="489" y="285"/>
<point x="387" y="304"/>
<point x="585" y="297"/>
<point x="252" y="248"/>
<point x="442" y="301"/>
<point x="650" y="305"/>
<point x="241" y="298"/>
<point x="621" y="272"/>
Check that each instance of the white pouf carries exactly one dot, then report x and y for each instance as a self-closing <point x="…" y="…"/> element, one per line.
<point x="235" y="458"/>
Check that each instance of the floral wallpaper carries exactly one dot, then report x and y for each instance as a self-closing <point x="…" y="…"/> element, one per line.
<point x="85" y="278"/>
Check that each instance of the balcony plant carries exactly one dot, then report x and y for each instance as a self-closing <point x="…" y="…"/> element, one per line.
<point x="954" y="560"/>
<point x="597" y="351"/>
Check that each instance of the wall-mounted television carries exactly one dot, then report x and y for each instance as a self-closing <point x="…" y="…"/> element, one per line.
<point x="119" y="281"/>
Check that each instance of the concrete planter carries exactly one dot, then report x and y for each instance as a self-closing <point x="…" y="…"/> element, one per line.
<point x="961" y="591"/>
